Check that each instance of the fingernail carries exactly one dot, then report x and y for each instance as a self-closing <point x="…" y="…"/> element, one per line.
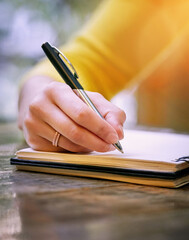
<point x="121" y="130"/>
<point x="112" y="138"/>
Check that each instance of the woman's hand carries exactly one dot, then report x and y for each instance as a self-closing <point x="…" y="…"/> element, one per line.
<point x="54" y="107"/>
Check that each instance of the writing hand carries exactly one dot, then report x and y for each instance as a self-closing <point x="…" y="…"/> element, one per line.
<point x="57" y="108"/>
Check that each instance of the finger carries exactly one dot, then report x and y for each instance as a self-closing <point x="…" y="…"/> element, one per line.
<point x="81" y="114"/>
<point x="114" y="119"/>
<point x="72" y="134"/>
<point x="76" y="134"/>
<point x="36" y="142"/>
<point x="41" y="144"/>
<point x="113" y="115"/>
<point x="46" y="132"/>
<point x="34" y="128"/>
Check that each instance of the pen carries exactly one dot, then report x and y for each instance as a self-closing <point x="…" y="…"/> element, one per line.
<point x="56" y="58"/>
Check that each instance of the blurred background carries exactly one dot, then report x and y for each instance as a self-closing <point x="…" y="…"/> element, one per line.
<point x="25" y="25"/>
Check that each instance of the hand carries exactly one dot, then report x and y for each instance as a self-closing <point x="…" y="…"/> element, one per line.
<point x="57" y="108"/>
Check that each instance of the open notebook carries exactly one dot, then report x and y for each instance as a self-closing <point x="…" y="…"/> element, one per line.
<point x="150" y="158"/>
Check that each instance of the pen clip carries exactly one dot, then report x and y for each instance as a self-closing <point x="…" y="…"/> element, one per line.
<point x="67" y="60"/>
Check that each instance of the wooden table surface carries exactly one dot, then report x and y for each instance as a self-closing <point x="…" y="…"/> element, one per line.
<point x="44" y="206"/>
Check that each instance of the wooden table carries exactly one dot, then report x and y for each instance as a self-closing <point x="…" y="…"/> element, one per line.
<point x="43" y="206"/>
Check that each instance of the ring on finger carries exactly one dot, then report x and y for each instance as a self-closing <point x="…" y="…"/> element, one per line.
<point x="56" y="139"/>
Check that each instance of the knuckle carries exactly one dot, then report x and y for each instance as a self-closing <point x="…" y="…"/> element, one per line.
<point x="49" y="89"/>
<point x="96" y="95"/>
<point x="64" y="86"/>
<point x="28" y="122"/>
<point x="82" y="115"/>
<point x="53" y="88"/>
<point x="35" y="105"/>
<point x="51" y="85"/>
<point x="102" y="129"/>
<point x="75" y="134"/>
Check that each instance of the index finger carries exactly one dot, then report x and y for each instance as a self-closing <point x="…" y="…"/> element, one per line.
<point x="80" y="113"/>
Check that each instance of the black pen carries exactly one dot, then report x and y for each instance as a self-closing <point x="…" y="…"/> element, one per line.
<point x="56" y="58"/>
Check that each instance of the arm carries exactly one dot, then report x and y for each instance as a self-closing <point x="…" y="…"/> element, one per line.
<point x="121" y="41"/>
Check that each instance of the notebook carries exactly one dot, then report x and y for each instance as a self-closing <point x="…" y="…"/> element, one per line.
<point x="150" y="158"/>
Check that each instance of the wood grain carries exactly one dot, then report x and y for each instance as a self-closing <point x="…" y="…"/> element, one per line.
<point x="45" y="206"/>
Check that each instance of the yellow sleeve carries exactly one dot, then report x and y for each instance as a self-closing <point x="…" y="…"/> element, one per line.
<point x="120" y="40"/>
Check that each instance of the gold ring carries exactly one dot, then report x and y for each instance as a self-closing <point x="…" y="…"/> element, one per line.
<point x="56" y="139"/>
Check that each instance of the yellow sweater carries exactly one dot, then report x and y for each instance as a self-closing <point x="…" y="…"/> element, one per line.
<point x="123" y="42"/>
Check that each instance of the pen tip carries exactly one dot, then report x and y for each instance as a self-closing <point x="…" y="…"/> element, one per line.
<point x="118" y="147"/>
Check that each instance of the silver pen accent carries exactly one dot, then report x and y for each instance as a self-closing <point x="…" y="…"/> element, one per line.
<point x="88" y="101"/>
